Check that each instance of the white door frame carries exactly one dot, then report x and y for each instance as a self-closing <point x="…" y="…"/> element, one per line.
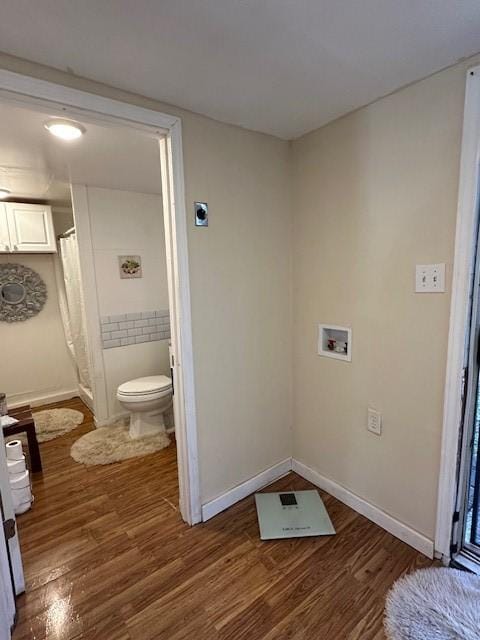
<point x="56" y="98"/>
<point x="463" y="270"/>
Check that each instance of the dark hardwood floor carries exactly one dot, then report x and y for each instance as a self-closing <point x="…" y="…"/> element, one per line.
<point x="107" y="557"/>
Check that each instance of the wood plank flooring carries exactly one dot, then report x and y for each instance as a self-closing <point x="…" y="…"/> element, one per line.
<point x="107" y="557"/>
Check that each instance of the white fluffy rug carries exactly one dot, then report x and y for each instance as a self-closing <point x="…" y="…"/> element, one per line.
<point x="112" y="444"/>
<point x="434" y="604"/>
<point x="52" y="423"/>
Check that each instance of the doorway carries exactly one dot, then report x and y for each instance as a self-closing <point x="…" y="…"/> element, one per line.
<point x="60" y="101"/>
<point x="77" y="104"/>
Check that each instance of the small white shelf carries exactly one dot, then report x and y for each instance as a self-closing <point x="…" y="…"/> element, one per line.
<point x="335" y="342"/>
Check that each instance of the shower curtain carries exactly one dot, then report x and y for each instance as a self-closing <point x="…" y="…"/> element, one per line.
<point x="72" y="309"/>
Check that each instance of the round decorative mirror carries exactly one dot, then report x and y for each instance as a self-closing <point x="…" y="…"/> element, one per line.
<point x="23" y="293"/>
<point x="13" y="293"/>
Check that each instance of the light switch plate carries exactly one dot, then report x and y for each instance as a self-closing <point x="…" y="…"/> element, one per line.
<point x="430" y="278"/>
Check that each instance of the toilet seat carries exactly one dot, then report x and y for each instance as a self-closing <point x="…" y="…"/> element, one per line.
<point x="149" y="387"/>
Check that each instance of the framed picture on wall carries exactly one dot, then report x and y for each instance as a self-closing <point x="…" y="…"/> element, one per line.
<point x="130" y="266"/>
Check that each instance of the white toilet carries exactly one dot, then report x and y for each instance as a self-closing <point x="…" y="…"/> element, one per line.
<point x="147" y="400"/>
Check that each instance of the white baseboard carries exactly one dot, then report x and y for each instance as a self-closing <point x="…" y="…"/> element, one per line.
<point x="38" y="401"/>
<point x="86" y="396"/>
<point x="402" y="531"/>
<point x="245" y="489"/>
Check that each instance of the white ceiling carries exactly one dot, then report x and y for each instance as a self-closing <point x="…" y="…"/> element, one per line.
<point x="279" y="66"/>
<point x="36" y="165"/>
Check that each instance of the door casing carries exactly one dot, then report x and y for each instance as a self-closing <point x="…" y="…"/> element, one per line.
<point x="80" y="105"/>
<point x="460" y="310"/>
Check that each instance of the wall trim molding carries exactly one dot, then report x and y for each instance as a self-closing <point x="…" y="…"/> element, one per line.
<point x="460" y="306"/>
<point x="400" y="530"/>
<point x="241" y="491"/>
<point x="48" y="398"/>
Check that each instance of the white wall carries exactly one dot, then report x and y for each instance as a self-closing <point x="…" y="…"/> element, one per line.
<point x="126" y="223"/>
<point x="122" y="223"/>
<point x="375" y="193"/>
<point x="240" y="269"/>
<point x="36" y="364"/>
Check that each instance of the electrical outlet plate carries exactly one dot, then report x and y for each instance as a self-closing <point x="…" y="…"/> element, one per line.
<point x="374" y="422"/>
<point x="430" y="278"/>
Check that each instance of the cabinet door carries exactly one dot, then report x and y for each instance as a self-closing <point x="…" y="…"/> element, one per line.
<point x="5" y="246"/>
<point x="31" y="228"/>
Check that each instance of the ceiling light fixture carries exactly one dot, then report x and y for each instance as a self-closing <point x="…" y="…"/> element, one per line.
<point x="65" y="129"/>
<point x="4" y="193"/>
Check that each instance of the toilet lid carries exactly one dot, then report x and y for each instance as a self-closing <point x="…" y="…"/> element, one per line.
<point x="145" y="386"/>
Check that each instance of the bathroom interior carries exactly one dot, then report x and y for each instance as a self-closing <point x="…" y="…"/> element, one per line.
<point x="85" y="322"/>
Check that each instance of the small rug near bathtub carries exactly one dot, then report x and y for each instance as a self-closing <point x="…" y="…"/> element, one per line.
<point x="52" y="423"/>
<point x="434" y="604"/>
<point x="113" y="444"/>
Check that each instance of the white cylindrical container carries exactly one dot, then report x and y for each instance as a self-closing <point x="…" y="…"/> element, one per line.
<point x="14" y="450"/>
<point x="21" y="495"/>
<point x="20" y="480"/>
<point x="21" y="491"/>
<point x="21" y="502"/>
<point x="22" y="507"/>
<point x="14" y="477"/>
<point x="16" y="466"/>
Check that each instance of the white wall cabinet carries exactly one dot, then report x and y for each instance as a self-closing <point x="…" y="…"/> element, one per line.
<point x="26" y="228"/>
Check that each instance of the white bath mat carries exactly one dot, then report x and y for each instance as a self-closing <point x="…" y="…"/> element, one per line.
<point x="52" y="423"/>
<point x="434" y="604"/>
<point x="113" y="444"/>
<point x="292" y="514"/>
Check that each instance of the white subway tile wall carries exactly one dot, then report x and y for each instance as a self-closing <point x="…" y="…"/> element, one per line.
<point x="132" y="328"/>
